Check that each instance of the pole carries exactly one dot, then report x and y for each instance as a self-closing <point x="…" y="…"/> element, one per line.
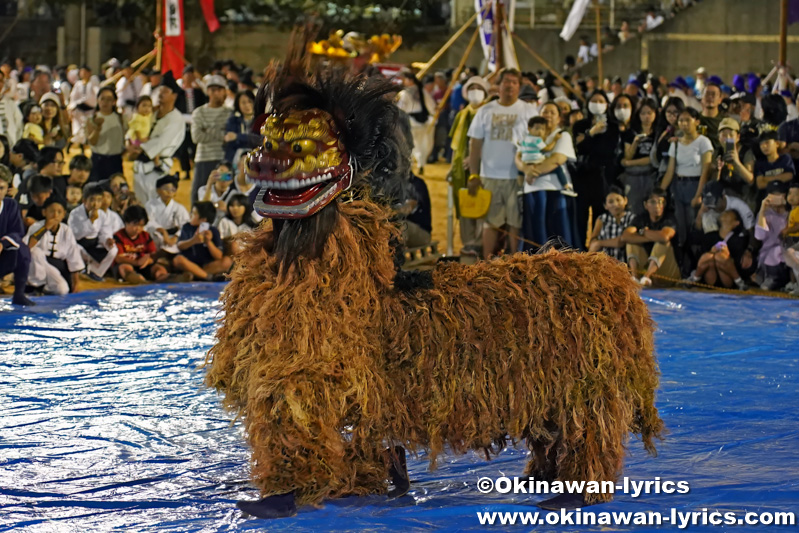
<point x="598" y="44"/>
<point x="83" y="36"/>
<point x="444" y="48"/>
<point x="456" y="74"/>
<point x="159" y="44"/>
<point x="499" y="17"/>
<point x="783" y="32"/>
<point x="547" y="66"/>
<point x="450" y="220"/>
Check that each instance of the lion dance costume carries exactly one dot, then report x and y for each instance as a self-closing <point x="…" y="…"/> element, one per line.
<point x="330" y="353"/>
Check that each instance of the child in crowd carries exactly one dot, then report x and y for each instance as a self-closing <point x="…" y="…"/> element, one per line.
<point x="649" y="238"/>
<point x="92" y="230"/>
<point x="31" y="204"/>
<point x="772" y="218"/>
<point x="201" y="247"/>
<point x="774" y="167"/>
<point x="575" y="115"/>
<point x="791" y="237"/>
<point x="136" y="249"/>
<point x="725" y="264"/>
<point x="55" y="254"/>
<point x="33" y="126"/>
<point x="141" y="123"/>
<point x="166" y="215"/>
<point x="611" y="224"/>
<point x="14" y="254"/>
<point x="74" y="197"/>
<point x="237" y="219"/>
<point x="114" y="220"/>
<point x="217" y="189"/>
<point x="532" y="148"/>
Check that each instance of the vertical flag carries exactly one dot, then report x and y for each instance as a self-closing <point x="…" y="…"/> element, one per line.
<point x="209" y="15"/>
<point x="574" y="19"/>
<point x="174" y="46"/>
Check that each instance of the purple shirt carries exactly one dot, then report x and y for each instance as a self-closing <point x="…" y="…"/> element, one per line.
<point x="771" y="252"/>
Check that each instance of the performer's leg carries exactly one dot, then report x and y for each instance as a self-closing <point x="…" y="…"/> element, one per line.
<point x="398" y="472"/>
<point x="280" y="506"/>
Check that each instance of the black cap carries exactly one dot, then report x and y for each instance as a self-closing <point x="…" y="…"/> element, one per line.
<point x="528" y="93"/>
<point x="166" y="180"/>
<point x="125" y="64"/>
<point x="776" y="186"/>
<point x="188" y="68"/>
<point x="168" y="81"/>
<point x="745" y="98"/>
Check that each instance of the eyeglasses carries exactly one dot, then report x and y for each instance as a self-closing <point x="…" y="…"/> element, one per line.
<point x="673" y="112"/>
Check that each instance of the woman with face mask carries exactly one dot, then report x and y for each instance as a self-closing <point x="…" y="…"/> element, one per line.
<point x="475" y="92"/>
<point x="597" y="138"/>
<point x="622" y="110"/>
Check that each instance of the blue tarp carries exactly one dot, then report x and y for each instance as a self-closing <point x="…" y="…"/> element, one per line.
<point x="106" y="426"/>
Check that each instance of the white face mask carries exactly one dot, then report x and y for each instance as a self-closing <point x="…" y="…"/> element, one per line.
<point x="475" y="96"/>
<point x="597" y="108"/>
<point x="623" y="115"/>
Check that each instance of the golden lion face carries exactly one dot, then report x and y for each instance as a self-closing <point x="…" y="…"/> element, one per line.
<point x="301" y="166"/>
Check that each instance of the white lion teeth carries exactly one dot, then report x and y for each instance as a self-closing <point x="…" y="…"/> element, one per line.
<point x="294" y="183"/>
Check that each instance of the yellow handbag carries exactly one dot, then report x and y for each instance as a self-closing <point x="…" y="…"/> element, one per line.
<point x="474" y="206"/>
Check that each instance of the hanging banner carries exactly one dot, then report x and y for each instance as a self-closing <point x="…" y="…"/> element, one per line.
<point x="174" y="46"/>
<point x="485" y="21"/>
<point x="210" y="16"/>
<point x="574" y="19"/>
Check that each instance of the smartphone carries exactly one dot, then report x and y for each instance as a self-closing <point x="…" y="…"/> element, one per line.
<point x="729" y="146"/>
<point x="225" y="176"/>
<point x="204" y="226"/>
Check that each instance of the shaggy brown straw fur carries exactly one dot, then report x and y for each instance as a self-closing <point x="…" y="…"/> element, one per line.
<point x="328" y="363"/>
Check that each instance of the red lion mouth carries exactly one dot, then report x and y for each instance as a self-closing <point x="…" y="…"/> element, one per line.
<point x="301" y="166"/>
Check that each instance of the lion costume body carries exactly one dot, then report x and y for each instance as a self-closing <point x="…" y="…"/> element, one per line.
<point x="328" y="360"/>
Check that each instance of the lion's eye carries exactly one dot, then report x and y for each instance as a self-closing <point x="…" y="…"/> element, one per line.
<point x="268" y="146"/>
<point x="304" y="147"/>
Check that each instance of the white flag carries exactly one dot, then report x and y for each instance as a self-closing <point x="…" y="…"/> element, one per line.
<point x="575" y="18"/>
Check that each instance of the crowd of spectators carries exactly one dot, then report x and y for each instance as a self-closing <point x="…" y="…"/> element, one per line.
<point x="58" y="226"/>
<point x="688" y="179"/>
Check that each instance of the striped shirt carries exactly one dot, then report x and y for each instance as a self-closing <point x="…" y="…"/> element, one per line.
<point x="611" y="228"/>
<point x="208" y="131"/>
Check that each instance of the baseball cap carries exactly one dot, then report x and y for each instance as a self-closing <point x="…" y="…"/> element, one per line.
<point x="729" y="124"/>
<point x="50" y="97"/>
<point x="216" y="80"/>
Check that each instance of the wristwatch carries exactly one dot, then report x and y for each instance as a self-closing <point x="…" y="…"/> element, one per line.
<point x="641" y="231"/>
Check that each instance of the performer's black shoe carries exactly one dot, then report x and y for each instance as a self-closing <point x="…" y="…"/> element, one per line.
<point x="398" y="472"/>
<point x="21" y="299"/>
<point x="280" y="506"/>
<point x="567" y="501"/>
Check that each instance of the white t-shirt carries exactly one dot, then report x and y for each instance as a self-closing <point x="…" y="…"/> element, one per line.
<point x="501" y="128"/>
<point x="549" y="182"/>
<point x="689" y="157"/>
